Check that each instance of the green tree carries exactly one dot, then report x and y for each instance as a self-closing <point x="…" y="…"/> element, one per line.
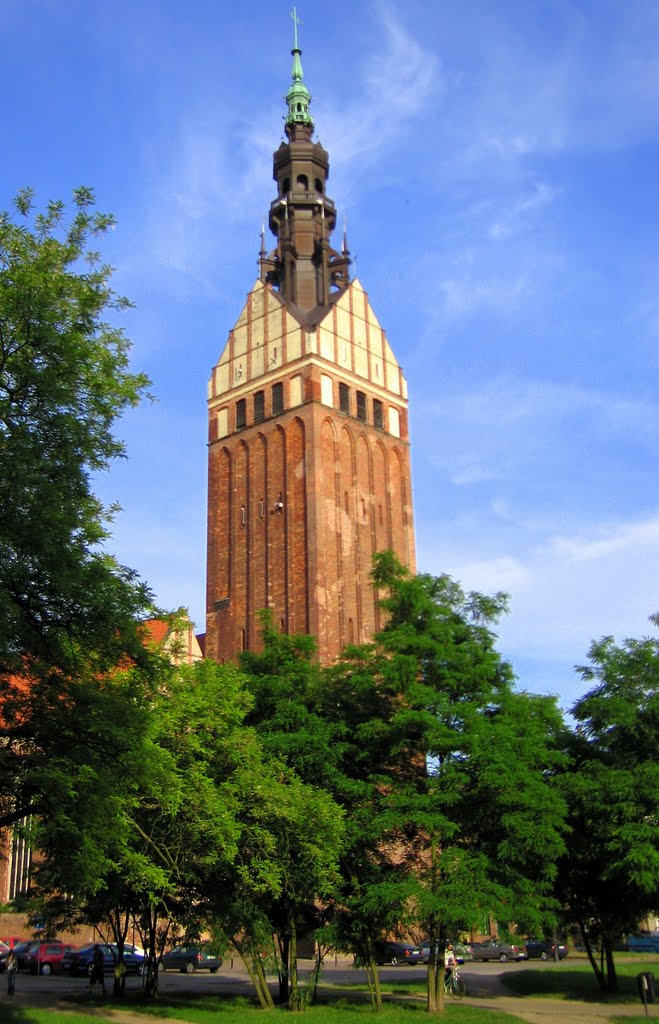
<point x="188" y="824"/>
<point x="609" y="878"/>
<point x="64" y="381"/>
<point x="142" y="832"/>
<point x="453" y="765"/>
<point x="307" y="823"/>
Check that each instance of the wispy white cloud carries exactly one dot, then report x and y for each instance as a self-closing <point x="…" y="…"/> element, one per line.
<point x="585" y="81"/>
<point x="494" y="431"/>
<point x="396" y="81"/>
<point x="513" y="219"/>
<point x="470" y="292"/>
<point x="606" y="540"/>
<point x="566" y="590"/>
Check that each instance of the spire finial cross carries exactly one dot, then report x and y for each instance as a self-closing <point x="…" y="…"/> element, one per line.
<point x="296" y="22"/>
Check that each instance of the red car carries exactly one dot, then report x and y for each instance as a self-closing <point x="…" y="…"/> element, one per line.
<point x="46" y="957"/>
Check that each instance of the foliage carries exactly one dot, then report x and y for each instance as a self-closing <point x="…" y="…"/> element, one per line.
<point x="451" y="809"/>
<point x="159" y="817"/>
<point x="304" y="822"/>
<point x="68" y="611"/>
<point x="609" y="879"/>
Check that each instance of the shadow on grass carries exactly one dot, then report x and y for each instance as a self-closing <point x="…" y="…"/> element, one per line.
<point x="14" y="1015"/>
<point x="337" y="1011"/>
<point x="241" y="1010"/>
<point x="571" y="983"/>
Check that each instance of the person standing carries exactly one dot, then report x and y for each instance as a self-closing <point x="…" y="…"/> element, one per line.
<point x="97" y="971"/>
<point x="12" y="969"/>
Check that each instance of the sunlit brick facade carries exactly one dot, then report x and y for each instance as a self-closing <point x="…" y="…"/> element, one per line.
<point x="309" y="464"/>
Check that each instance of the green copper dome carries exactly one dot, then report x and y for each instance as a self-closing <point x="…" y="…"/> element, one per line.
<point x="298" y="96"/>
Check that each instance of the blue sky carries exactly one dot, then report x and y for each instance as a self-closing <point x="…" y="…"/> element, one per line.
<point x="497" y="164"/>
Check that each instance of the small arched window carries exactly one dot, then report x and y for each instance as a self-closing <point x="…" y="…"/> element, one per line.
<point x="319" y="186"/>
<point x="303" y="182"/>
<point x="285" y="186"/>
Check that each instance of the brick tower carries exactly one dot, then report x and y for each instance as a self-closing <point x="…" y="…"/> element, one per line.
<point x="309" y="466"/>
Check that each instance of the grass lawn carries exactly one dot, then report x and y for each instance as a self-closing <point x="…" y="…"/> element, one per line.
<point x="629" y="1020"/>
<point x="571" y="979"/>
<point x="230" y="1011"/>
<point x="576" y="980"/>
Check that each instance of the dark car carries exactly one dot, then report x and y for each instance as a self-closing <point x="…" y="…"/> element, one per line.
<point x="545" y="949"/>
<point x="461" y="952"/>
<point x="189" y="959"/>
<point x="643" y="942"/>
<point x="21" y="950"/>
<point x="396" y="953"/>
<point x="497" y="949"/>
<point x="46" y="957"/>
<point x="80" y="961"/>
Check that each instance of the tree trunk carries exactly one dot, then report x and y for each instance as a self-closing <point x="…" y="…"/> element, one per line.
<point x="373" y="980"/>
<point x="312" y="985"/>
<point x="435" y="982"/>
<point x="256" y="970"/>
<point x="150" y="934"/>
<point x="284" y="960"/>
<point x="294" y="1001"/>
<point x="599" y="973"/>
<point x="611" y="976"/>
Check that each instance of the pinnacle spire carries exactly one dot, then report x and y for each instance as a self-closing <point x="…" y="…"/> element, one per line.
<point x="298" y="97"/>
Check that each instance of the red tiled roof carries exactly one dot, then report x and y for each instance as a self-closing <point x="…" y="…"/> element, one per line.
<point x="157" y="629"/>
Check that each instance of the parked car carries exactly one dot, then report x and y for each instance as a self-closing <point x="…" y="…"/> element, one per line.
<point x="545" y="949"/>
<point x="46" y="957"/>
<point x="643" y="942"/>
<point x="396" y="953"/>
<point x="461" y="952"/>
<point x="189" y="959"/>
<point x="497" y="949"/>
<point x="21" y="950"/>
<point x="80" y="961"/>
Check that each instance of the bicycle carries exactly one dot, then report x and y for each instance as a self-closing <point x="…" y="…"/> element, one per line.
<point x="454" y="984"/>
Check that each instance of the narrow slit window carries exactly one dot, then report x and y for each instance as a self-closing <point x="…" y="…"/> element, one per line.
<point x="241" y="414"/>
<point x="344" y="398"/>
<point x="259" y="407"/>
<point x="277" y="399"/>
<point x="361" y="406"/>
<point x="378" y="414"/>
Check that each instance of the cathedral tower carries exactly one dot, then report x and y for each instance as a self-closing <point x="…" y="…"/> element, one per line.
<point x="309" y="466"/>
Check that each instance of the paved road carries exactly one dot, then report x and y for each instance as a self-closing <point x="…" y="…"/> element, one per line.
<point x="483" y="985"/>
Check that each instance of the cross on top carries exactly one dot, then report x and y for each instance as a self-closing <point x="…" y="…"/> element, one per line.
<point x="296" y="22"/>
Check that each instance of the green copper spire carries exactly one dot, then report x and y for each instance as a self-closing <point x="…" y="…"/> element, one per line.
<point x="298" y="97"/>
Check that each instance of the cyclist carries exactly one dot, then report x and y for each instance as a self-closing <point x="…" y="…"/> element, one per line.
<point x="449" y="961"/>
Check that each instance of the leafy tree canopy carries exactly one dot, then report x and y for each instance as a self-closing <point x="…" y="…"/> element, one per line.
<point x="64" y="381"/>
<point x="609" y="879"/>
<point x="447" y="770"/>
